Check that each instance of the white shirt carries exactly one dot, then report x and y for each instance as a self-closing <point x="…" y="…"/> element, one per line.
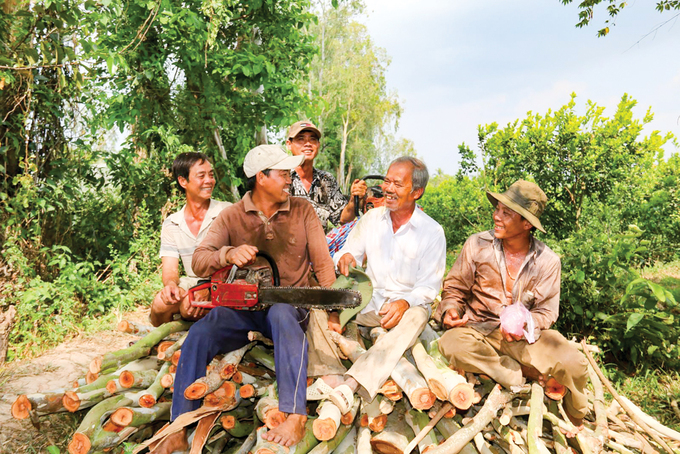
<point x="178" y="241"/>
<point x="408" y="264"/>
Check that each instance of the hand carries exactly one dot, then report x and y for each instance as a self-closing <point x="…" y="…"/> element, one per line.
<point x="392" y="313"/>
<point x="189" y="312"/>
<point x="345" y="262"/>
<point x="172" y="294"/>
<point x="359" y="188"/>
<point x="451" y="319"/>
<point x="242" y="255"/>
<point x="334" y="322"/>
<point x="509" y="337"/>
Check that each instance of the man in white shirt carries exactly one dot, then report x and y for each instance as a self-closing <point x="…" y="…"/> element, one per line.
<point x="181" y="233"/>
<point x="405" y="251"/>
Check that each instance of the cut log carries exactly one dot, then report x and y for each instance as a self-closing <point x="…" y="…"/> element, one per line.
<point x="221" y="396"/>
<point x="39" y="403"/>
<point x="448" y="427"/>
<point x="105" y="440"/>
<point x="535" y="424"/>
<point x="371" y="416"/>
<point x="141" y="349"/>
<point x="81" y="442"/>
<point x="162" y="347"/>
<point x="228" y="364"/>
<point x="426" y="366"/>
<point x="148" y="398"/>
<point x="364" y="440"/>
<point x="137" y="379"/>
<point x="256" y="336"/>
<point x="391" y="390"/>
<point x="422" y="426"/>
<point x="333" y="445"/>
<point x="167" y="380"/>
<point x="396" y="435"/>
<point x="136" y="416"/>
<point x="496" y="400"/>
<point x="414" y="385"/>
<point x="554" y="390"/>
<point x="267" y="409"/>
<point x="174" y="359"/>
<point x="73" y="401"/>
<point x="624" y="405"/>
<point x="7" y="319"/>
<point x="262" y="356"/>
<point x="602" y="429"/>
<point x="348" y="418"/>
<point x="328" y="422"/>
<point x="166" y="355"/>
<point x="130" y="327"/>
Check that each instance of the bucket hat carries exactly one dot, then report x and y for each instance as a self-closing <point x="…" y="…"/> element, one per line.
<point x="525" y="198"/>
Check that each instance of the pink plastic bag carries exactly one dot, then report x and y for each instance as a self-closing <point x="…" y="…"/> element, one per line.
<point x="513" y="319"/>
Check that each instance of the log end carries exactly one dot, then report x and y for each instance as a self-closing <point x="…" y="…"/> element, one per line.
<point x="175" y="357"/>
<point x="96" y="364"/>
<point x="554" y="390"/>
<point x="423" y="399"/>
<point x="347" y="418"/>
<point x="167" y="380"/>
<point x="147" y="401"/>
<point x="324" y="429"/>
<point x="228" y="422"/>
<point x="21" y="408"/>
<point x="71" y="402"/>
<point x="195" y="391"/>
<point x="377" y="424"/>
<point x="462" y="396"/>
<point x="229" y="389"/>
<point x="247" y="391"/>
<point x="438" y="389"/>
<point x="237" y="377"/>
<point x="122" y="417"/>
<point x="363" y="421"/>
<point x="124" y="326"/>
<point x="385" y="447"/>
<point x="80" y="444"/>
<point x="111" y="386"/>
<point x="126" y="379"/>
<point x="227" y="371"/>
<point x="274" y="418"/>
<point x="90" y="377"/>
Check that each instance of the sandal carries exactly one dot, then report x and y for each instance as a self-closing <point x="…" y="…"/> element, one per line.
<point x="318" y="390"/>
<point x="343" y="398"/>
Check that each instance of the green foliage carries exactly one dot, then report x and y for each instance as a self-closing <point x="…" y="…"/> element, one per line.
<point x="614" y="7"/>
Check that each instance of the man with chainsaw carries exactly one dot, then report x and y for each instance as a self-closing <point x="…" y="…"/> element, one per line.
<point x="405" y="252"/>
<point x="181" y="233"/>
<point x="502" y="295"/>
<point x="319" y="186"/>
<point x="267" y="219"/>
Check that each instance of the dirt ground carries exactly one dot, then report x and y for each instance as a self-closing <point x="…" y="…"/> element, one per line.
<point x="55" y="369"/>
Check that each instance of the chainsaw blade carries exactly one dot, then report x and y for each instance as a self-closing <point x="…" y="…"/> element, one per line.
<point x="309" y="297"/>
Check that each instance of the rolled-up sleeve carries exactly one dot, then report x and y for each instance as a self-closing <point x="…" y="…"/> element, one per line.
<point x="169" y="246"/>
<point x="546" y="306"/>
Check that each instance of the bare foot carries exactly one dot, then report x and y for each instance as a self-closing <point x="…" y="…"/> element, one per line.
<point x="333" y="380"/>
<point x="174" y="442"/>
<point x="288" y="433"/>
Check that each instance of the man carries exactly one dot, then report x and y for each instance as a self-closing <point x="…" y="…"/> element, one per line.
<point x="266" y="219"/>
<point x="318" y="186"/>
<point x="405" y="251"/>
<point x="181" y="233"/>
<point x="498" y="268"/>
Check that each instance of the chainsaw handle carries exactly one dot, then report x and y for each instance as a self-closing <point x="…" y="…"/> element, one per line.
<point x="272" y="264"/>
<point x="357" y="211"/>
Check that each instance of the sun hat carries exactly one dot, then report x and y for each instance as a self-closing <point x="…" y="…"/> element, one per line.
<point x="265" y="157"/>
<point x="300" y="126"/>
<point x="525" y="198"/>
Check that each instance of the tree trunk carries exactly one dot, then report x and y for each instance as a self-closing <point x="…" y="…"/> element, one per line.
<point x="414" y="385"/>
<point x="130" y="327"/>
<point x="81" y="442"/>
<point x="38" y="403"/>
<point x="149" y="398"/>
<point x="6" y="322"/>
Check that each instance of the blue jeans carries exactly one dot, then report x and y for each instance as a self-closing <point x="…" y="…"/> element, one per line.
<point x="224" y="330"/>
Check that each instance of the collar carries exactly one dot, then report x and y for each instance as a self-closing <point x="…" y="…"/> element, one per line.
<point x="416" y="220"/>
<point x="178" y="217"/>
<point x="248" y="204"/>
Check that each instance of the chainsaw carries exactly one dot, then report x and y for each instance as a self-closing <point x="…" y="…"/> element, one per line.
<point x="256" y="287"/>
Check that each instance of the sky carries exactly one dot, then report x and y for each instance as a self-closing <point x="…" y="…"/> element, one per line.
<point x="458" y="64"/>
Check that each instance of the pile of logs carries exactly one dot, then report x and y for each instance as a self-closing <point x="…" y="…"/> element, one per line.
<point x="426" y="406"/>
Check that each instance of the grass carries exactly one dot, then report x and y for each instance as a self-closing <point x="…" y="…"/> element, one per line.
<point x="666" y="274"/>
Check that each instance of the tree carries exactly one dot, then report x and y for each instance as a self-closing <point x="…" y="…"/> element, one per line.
<point x="348" y="78"/>
<point x="614" y="7"/>
<point x="572" y="157"/>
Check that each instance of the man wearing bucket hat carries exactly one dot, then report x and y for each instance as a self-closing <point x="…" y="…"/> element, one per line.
<point x="266" y="219"/>
<point x="318" y="186"/>
<point x="494" y="270"/>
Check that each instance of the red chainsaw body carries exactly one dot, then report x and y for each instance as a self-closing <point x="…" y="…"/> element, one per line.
<point x="240" y="294"/>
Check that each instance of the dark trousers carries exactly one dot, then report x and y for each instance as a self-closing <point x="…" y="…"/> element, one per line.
<point x="224" y="330"/>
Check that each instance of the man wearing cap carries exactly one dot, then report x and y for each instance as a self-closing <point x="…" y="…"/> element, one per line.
<point x="495" y="269"/>
<point x="182" y="232"/>
<point x="318" y="186"/>
<point x="268" y="220"/>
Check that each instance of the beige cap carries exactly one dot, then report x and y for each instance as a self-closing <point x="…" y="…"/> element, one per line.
<point x="525" y="198"/>
<point x="300" y="126"/>
<point x="266" y="157"/>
